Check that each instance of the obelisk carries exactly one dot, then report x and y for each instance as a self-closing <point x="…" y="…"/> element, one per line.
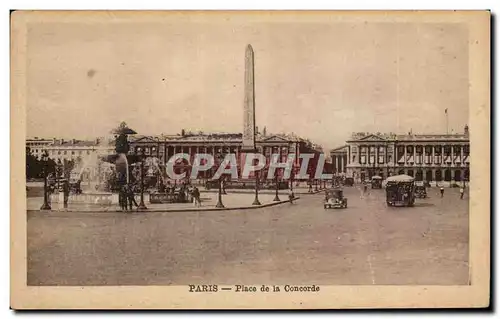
<point x="249" y="103"/>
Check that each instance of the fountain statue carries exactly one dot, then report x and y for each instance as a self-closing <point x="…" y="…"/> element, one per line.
<point x="121" y="160"/>
<point x="100" y="174"/>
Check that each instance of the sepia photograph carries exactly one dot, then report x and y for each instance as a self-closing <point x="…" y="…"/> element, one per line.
<point x="250" y="159"/>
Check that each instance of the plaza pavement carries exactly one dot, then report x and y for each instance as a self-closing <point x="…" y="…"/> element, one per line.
<point x="366" y="244"/>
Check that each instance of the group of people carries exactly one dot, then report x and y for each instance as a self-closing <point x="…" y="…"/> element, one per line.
<point x="462" y="190"/>
<point x="126" y="197"/>
<point x="185" y="192"/>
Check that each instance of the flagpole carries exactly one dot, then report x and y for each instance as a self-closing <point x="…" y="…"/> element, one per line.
<point x="446" y="113"/>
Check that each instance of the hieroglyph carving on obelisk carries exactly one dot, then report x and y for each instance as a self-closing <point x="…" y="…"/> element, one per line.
<point x="249" y="103"/>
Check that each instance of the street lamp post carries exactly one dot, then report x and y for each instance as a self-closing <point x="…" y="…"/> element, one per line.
<point x="224" y="187"/>
<point x="256" y="199"/>
<point x="276" y="197"/>
<point x="46" y="205"/>
<point x="142" y="206"/>
<point x="219" y="204"/>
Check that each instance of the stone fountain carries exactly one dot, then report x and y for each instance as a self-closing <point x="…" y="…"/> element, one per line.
<point x="101" y="174"/>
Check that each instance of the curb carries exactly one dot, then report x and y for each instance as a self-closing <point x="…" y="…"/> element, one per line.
<point x="208" y="209"/>
<point x="260" y="192"/>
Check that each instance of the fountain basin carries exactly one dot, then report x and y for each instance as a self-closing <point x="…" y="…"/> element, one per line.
<point x="87" y="198"/>
<point x="103" y="198"/>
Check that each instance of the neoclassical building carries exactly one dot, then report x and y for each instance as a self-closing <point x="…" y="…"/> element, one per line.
<point x="339" y="159"/>
<point x="431" y="157"/>
<point x="72" y="149"/>
<point x="165" y="146"/>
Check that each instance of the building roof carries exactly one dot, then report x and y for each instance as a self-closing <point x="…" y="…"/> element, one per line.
<point x="223" y="136"/>
<point x="420" y="137"/>
<point x="342" y="148"/>
<point x="370" y="137"/>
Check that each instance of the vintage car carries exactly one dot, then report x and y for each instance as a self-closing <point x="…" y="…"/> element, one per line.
<point x="334" y="198"/>
<point x="400" y="191"/>
<point x="376" y="182"/>
<point x="348" y="181"/>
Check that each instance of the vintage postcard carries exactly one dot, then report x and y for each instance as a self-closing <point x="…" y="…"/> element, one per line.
<point x="250" y="160"/>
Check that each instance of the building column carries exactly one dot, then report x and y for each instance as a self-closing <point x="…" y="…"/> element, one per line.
<point x="415" y="157"/>
<point x="442" y="154"/>
<point x="451" y="156"/>
<point x="405" y="157"/>
<point x="432" y="154"/>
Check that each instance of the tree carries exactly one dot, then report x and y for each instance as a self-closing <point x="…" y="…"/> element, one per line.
<point x="33" y="167"/>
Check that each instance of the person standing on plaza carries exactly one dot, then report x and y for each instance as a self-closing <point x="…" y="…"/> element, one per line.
<point x="131" y="198"/>
<point x="441" y="189"/>
<point x="122" y="197"/>
<point x="196" y="197"/>
<point x="291" y="195"/>
<point x="462" y="192"/>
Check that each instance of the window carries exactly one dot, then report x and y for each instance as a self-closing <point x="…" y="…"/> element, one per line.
<point x="466" y="150"/>
<point x="381" y="149"/>
<point x="88" y="152"/>
<point x="58" y="152"/>
<point x="72" y="152"/>
<point x="65" y="152"/>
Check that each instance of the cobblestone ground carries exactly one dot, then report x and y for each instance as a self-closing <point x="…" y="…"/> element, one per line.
<point x="367" y="243"/>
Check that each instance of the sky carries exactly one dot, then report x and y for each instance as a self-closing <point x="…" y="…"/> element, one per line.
<point x="320" y="80"/>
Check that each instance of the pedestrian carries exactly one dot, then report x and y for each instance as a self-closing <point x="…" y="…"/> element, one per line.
<point x="66" y="193"/>
<point x="196" y="197"/>
<point x="131" y="197"/>
<point x="122" y="198"/>
<point x="441" y="189"/>
<point x="461" y="193"/>
<point x="291" y="196"/>
<point x="310" y="188"/>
